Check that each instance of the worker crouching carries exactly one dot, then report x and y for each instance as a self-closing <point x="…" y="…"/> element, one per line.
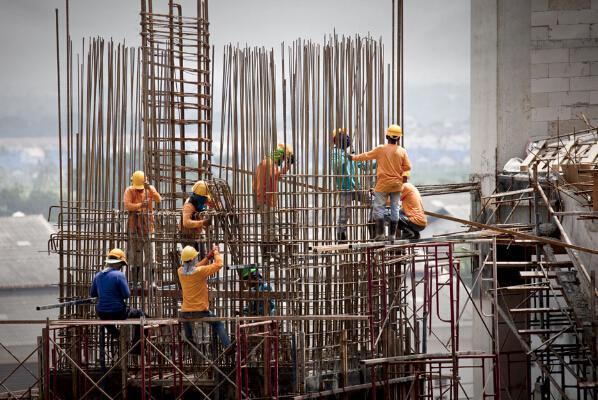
<point x="193" y="275"/>
<point x="412" y="219"/>
<point x="255" y="284"/>
<point x="392" y="170"/>
<point x="111" y="288"/>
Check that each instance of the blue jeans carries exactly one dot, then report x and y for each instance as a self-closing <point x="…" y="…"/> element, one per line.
<point x="346" y="199"/>
<point x="379" y="207"/>
<point x="217" y="326"/>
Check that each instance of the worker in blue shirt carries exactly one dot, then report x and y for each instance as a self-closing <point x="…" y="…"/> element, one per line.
<point x="346" y="174"/>
<point x="111" y="288"/>
<point x="254" y="284"/>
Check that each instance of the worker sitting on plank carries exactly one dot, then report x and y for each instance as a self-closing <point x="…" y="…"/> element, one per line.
<point x="255" y="284"/>
<point x="192" y="222"/>
<point x="345" y="171"/>
<point x="193" y="275"/>
<point x="265" y="188"/>
<point x="139" y="199"/>
<point x="392" y="170"/>
<point x="412" y="219"/>
<point x="111" y="288"/>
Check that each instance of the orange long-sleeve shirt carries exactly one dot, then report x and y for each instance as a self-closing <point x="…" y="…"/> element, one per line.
<point x="412" y="205"/>
<point x="265" y="182"/>
<point x="141" y="220"/>
<point x="392" y="164"/>
<point x="189" y="225"/>
<point x="195" y="286"/>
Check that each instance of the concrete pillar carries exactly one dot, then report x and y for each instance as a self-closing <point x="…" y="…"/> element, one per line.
<point x="500" y="85"/>
<point x="500" y="125"/>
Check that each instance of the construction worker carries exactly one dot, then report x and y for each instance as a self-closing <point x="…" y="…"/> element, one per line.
<point x="412" y="219"/>
<point x="193" y="275"/>
<point x="345" y="171"/>
<point x="192" y="223"/>
<point x="392" y="170"/>
<point x="254" y="284"/>
<point x="265" y="189"/>
<point x="111" y="288"/>
<point x="139" y="201"/>
<point x="268" y="174"/>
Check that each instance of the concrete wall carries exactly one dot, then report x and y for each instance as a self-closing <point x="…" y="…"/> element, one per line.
<point x="564" y="64"/>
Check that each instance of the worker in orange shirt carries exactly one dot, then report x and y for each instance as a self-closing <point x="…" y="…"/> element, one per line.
<point x="139" y="201"/>
<point x="412" y="219"/>
<point x="265" y="189"/>
<point x="193" y="275"/>
<point x="192" y="222"/>
<point x="392" y="170"/>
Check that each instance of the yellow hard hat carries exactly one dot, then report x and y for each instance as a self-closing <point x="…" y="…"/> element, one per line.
<point x="188" y="253"/>
<point x="200" y="188"/>
<point x="337" y="131"/>
<point x="138" y="179"/>
<point x="115" y="256"/>
<point x="394" y="131"/>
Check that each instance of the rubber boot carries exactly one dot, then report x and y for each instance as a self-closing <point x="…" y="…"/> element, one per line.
<point x="407" y="233"/>
<point x="372" y="228"/>
<point x="392" y="231"/>
<point x="380" y="236"/>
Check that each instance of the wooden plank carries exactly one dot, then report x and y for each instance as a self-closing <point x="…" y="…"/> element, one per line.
<point x="536" y="274"/>
<point x="521" y="235"/>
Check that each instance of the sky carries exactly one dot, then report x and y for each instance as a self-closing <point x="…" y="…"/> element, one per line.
<point x="436" y="41"/>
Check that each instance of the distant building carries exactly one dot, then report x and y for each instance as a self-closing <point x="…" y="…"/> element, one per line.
<point x="28" y="278"/>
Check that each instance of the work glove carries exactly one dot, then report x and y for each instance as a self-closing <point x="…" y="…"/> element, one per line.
<point x="211" y="253"/>
<point x="291" y="159"/>
<point x="350" y="157"/>
<point x="207" y="221"/>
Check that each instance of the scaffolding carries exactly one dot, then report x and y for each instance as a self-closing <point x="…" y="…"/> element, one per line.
<point x="360" y="318"/>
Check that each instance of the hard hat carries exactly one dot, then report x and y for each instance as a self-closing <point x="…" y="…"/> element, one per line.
<point x="394" y="131"/>
<point x="286" y="149"/>
<point x="115" y="256"/>
<point x="138" y="180"/>
<point x="188" y="253"/>
<point x="338" y="131"/>
<point x="341" y="138"/>
<point x="200" y="188"/>
<point x="245" y="272"/>
<point x="282" y="151"/>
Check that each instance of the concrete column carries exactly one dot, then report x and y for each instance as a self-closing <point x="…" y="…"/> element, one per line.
<point x="500" y="127"/>
<point x="500" y="85"/>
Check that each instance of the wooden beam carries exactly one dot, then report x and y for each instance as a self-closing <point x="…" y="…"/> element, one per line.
<point x="513" y="233"/>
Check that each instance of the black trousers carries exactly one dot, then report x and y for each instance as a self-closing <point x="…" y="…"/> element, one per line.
<point x="122" y="315"/>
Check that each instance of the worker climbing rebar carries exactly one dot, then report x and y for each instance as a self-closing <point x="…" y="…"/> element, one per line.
<point x="193" y="275"/>
<point x="345" y="173"/>
<point x="392" y="171"/>
<point x="139" y="201"/>
<point x="193" y="223"/>
<point x="265" y="190"/>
